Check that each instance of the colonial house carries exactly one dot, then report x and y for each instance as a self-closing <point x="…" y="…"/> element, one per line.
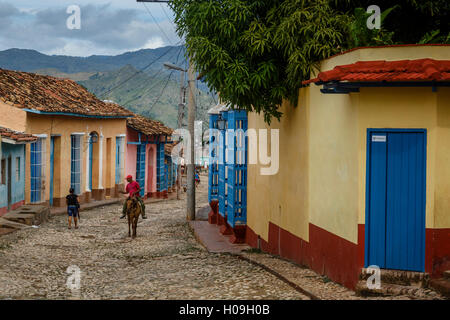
<point x="81" y="139"/>
<point x="145" y="155"/>
<point x="12" y="173"/>
<point x="364" y="168"/>
<point x="171" y="165"/>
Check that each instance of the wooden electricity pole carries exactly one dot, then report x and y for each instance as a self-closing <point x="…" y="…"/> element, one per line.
<point x="191" y="154"/>
<point x="180" y="125"/>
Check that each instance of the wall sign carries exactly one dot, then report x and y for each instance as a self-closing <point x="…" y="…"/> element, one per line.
<point x="378" y="138"/>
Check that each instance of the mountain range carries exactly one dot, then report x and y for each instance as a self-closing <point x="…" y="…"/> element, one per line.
<point x="136" y="80"/>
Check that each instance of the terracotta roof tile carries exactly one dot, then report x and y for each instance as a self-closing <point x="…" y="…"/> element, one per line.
<point x="148" y="126"/>
<point x="49" y="94"/>
<point x="390" y="71"/>
<point x="16" y="136"/>
<point x="168" y="147"/>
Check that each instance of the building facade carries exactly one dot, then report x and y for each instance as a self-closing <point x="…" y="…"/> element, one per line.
<point x="81" y="140"/>
<point x="364" y="167"/>
<point x="145" y="155"/>
<point x="12" y="168"/>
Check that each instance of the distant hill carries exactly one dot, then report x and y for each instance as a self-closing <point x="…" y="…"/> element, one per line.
<point x="31" y="60"/>
<point x="140" y="93"/>
<point x="102" y="74"/>
<point x="80" y="76"/>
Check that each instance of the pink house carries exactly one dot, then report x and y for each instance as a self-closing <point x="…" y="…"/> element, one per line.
<point x="144" y="155"/>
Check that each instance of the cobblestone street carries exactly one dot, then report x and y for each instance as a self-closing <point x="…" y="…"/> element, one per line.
<point x="163" y="262"/>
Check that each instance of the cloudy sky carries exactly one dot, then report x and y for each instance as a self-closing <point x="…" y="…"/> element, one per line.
<point x="108" y="27"/>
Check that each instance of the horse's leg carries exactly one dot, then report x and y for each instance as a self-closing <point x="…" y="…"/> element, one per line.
<point x="129" y="225"/>
<point x="135" y="219"/>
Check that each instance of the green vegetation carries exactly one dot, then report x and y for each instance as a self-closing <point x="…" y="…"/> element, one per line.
<point x="123" y="79"/>
<point x="257" y="52"/>
<point x="140" y="93"/>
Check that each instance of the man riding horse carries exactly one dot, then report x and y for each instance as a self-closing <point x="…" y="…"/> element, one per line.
<point x="133" y="190"/>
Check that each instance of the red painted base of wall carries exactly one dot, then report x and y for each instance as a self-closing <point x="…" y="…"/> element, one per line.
<point x="225" y="229"/>
<point x="437" y="251"/>
<point x="14" y="206"/>
<point x="325" y="253"/>
<point x="162" y="194"/>
<point x="238" y="235"/>
<point x="220" y="220"/>
<point x="212" y="215"/>
<point x="339" y="259"/>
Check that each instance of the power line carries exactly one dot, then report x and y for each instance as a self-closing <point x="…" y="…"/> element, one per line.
<point x="102" y="94"/>
<point x="162" y="7"/>
<point x="165" y="86"/>
<point x="162" y="30"/>
<point x="148" y="90"/>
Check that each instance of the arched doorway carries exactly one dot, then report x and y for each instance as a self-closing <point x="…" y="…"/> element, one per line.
<point x="93" y="165"/>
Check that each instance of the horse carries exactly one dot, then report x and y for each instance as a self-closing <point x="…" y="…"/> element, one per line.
<point x="134" y="210"/>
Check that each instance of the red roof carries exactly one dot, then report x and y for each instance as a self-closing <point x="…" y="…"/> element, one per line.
<point x="16" y="136"/>
<point x="148" y="126"/>
<point x="390" y="71"/>
<point x="49" y="94"/>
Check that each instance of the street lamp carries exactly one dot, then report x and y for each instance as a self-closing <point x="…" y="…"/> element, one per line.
<point x="174" y="67"/>
<point x="171" y="66"/>
<point x="221" y="122"/>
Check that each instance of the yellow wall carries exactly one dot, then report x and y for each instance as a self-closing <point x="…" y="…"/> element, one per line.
<point x="442" y="184"/>
<point x="282" y="198"/>
<point x="322" y="174"/>
<point x="399" y="108"/>
<point x="65" y="126"/>
<point x="12" y="117"/>
<point x="334" y="164"/>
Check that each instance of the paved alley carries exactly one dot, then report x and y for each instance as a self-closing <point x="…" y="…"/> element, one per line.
<point x="163" y="262"/>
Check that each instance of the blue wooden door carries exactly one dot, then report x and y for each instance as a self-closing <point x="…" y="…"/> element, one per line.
<point x="395" y="219"/>
<point x="36" y="171"/>
<point x="140" y="167"/>
<point x="91" y="159"/>
<point x="52" y="165"/>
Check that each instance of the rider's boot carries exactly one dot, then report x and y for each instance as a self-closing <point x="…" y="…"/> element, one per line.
<point x="123" y="215"/>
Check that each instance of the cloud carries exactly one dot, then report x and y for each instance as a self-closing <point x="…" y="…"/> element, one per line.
<point x="105" y="29"/>
<point x="7" y="10"/>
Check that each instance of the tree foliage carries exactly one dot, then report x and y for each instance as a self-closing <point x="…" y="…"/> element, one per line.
<point x="256" y="53"/>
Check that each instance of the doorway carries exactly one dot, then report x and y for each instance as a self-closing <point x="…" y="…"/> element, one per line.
<point x="9" y="191"/>
<point x="395" y="199"/>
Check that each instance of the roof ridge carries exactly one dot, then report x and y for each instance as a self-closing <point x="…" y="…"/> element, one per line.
<point x="48" y="94"/>
<point x="425" y="69"/>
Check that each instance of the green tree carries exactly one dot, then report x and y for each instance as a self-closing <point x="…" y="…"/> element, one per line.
<point x="256" y="53"/>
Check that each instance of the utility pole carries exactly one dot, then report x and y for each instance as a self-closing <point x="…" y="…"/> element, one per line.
<point x="180" y="118"/>
<point x="191" y="121"/>
<point x="191" y="154"/>
<point x="180" y="125"/>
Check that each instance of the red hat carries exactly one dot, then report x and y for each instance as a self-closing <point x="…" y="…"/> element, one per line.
<point x="129" y="176"/>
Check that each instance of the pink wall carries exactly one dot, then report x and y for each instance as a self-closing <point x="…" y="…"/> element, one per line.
<point x="130" y="161"/>
<point x="130" y="153"/>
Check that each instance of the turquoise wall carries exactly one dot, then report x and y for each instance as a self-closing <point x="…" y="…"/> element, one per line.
<point x="17" y="186"/>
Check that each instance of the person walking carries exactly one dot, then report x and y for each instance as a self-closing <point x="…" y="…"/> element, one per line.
<point x="73" y="207"/>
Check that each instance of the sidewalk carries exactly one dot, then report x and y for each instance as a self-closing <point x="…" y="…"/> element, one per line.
<point x="210" y="237"/>
<point x="102" y="203"/>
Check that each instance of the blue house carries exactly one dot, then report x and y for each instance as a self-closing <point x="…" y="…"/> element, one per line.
<point x="12" y="168"/>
